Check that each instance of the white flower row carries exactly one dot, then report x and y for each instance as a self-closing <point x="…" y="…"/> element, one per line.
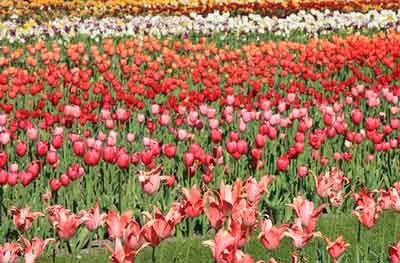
<point x="311" y="22"/>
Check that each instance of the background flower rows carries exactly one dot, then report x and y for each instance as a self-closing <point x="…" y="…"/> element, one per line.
<point x="308" y="22"/>
<point x="48" y="9"/>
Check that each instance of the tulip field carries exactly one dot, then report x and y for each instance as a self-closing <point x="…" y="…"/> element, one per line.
<point x="200" y="131"/>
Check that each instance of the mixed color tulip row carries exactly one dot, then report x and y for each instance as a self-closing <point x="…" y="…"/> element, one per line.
<point x="48" y="9"/>
<point x="307" y="22"/>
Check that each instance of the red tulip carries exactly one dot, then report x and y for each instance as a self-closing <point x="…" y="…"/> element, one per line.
<point x="123" y="161"/>
<point x="64" y="179"/>
<point x="91" y="157"/>
<point x="21" y="149"/>
<point x="55" y="184"/>
<point x="169" y="150"/>
<point x="169" y="180"/>
<point x="146" y="157"/>
<point x="242" y="147"/>
<point x="25" y="178"/>
<point x="231" y="146"/>
<point x="52" y="157"/>
<point x="78" y="147"/>
<point x="3" y="159"/>
<point x="282" y="163"/>
<point x="356" y="116"/>
<point x="260" y="140"/>
<point x="12" y="179"/>
<point x="34" y="168"/>
<point x="3" y="177"/>
<point x="42" y="148"/>
<point x="57" y="141"/>
<point x="188" y="159"/>
<point x="216" y="135"/>
<point x="109" y="154"/>
<point x="372" y="123"/>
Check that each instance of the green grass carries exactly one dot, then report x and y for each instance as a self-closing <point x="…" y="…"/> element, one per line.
<point x="372" y="246"/>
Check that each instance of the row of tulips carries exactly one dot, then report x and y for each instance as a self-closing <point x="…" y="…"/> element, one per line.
<point x="308" y="22"/>
<point x="232" y="212"/>
<point x="45" y="9"/>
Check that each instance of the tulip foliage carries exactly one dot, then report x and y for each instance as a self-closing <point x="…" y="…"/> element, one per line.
<point x="133" y="141"/>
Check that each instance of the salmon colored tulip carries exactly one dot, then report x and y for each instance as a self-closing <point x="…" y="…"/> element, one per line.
<point x="117" y="223"/>
<point x="254" y="190"/>
<point x="10" y="252"/>
<point x="223" y="247"/>
<point x="93" y="218"/>
<point x="270" y="235"/>
<point x="192" y="201"/>
<point x="336" y="248"/>
<point x="394" y="253"/>
<point x="122" y="253"/>
<point x="300" y="236"/>
<point x="150" y="181"/>
<point x="306" y="214"/>
<point x="64" y="221"/>
<point x="35" y="249"/>
<point x="24" y="217"/>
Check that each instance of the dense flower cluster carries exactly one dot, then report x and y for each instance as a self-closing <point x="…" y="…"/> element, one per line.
<point x="312" y="22"/>
<point x="46" y="9"/>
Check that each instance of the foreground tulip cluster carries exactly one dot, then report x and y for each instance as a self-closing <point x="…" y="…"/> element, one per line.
<point x="232" y="212"/>
<point x="129" y="141"/>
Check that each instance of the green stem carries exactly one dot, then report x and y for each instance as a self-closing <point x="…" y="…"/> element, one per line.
<point x="153" y="255"/>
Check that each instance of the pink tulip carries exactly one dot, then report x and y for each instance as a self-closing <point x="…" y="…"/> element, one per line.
<point x="271" y="236"/>
<point x="150" y="181"/>
<point x="24" y="217"/>
<point x="35" y="249"/>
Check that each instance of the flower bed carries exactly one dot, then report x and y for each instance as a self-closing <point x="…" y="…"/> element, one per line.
<point x="131" y="130"/>
<point x="48" y="9"/>
<point x="308" y="23"/>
